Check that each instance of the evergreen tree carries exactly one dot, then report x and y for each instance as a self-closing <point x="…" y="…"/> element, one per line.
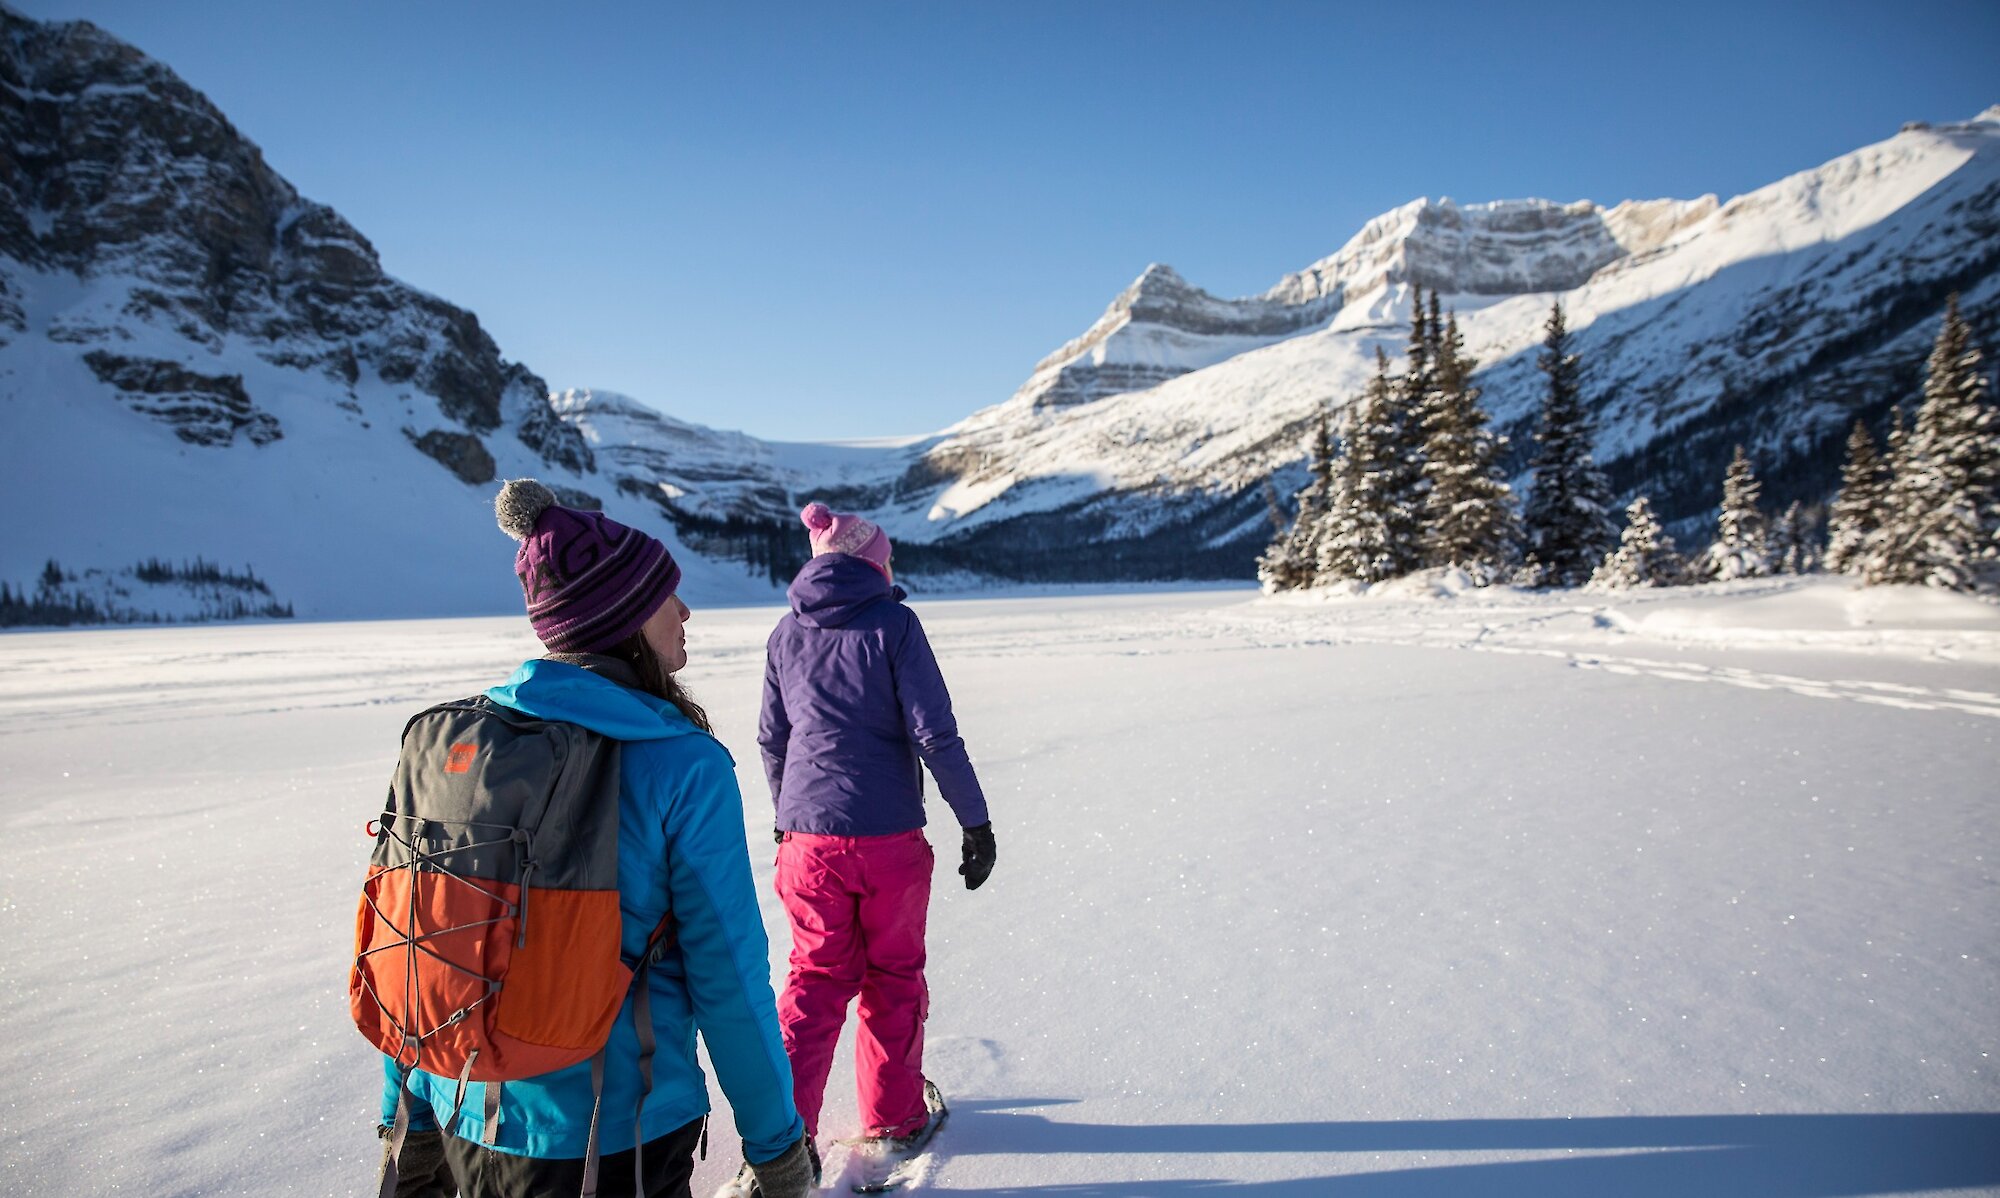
<point x="1568" y="519"/>
<point x="1291" y="561"/>
<point x="1742" y="545"/>
<point x="52" y="577"/>
<point x="1274" y="512"/>
<point x="1401" y="460"/>
<point x="1795" y="545"/>
<point x="1858" y="508"/>
<point x="1645" y="556"/>
<point x="1942" y="524"/>
<point x="1469" y="518"/>
<point x="1884" y="543"/>
<point x="1369" y="528"/>
<point x="1417" y="370"/>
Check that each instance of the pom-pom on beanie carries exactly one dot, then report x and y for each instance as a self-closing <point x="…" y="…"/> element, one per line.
<point x="844" y="532"/>
<point x="590" y="581"/>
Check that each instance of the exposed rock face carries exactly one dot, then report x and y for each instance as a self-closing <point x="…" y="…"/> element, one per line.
<point x="694" y="471"/>
<point x="114" y="171"/>
<point x="1158" y="328"/>
<point x="1510" y="247"/>
<point x="461" y="453"/>
<point x="1162" y="326"/>
<point x="202" y="409"/>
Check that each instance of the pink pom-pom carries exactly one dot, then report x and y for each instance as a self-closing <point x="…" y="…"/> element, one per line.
<point x="817" y="517"/>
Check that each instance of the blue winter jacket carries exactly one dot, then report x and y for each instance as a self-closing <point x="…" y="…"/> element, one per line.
<point x="853" y="700"/>
<point x="680" y="844"/>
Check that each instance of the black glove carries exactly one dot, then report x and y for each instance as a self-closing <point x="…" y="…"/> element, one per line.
<point x="978" y="853"/>
<point x="777" y="835"/>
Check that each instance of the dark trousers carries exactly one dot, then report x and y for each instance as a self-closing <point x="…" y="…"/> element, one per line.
<point x="436" y="1165"/>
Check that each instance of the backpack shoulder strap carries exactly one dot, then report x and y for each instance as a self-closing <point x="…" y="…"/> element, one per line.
<point x="479" y="703"/>
<point x="665" y="936"/>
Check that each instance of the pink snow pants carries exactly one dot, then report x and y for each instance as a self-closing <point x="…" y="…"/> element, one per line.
<point x="857" y="906"/>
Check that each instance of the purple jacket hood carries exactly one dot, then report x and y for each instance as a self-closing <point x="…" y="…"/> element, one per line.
<point x="834" y="588"/>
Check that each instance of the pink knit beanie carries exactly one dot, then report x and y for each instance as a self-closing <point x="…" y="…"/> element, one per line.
<point x="844" y="532"/>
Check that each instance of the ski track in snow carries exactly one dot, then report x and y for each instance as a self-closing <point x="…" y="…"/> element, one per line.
<point x="1526" y="631"/>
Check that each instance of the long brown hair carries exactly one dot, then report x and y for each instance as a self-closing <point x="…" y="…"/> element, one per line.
<point x="655" y="679"/>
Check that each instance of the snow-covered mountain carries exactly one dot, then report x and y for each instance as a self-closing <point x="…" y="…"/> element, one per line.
<point x="1162" y="326"/>
<point x="198" y="363"/>
<point x="1140" y="448"/>
<point x="1773" y="319"/>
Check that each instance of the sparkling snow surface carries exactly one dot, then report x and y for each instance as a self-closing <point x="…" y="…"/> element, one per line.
<point x="1682" y="893"/>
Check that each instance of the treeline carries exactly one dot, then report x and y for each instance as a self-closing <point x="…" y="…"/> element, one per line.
<point x="1414" y="481"/>
<point x="54" y="602"/>
<point x="200" y="570"/>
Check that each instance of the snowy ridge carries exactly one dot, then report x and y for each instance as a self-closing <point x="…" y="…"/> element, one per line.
<point x="697" y="469"/>
<point x="1507" y="247"/>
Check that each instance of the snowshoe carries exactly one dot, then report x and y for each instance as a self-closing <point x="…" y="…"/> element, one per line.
<point x="879" y="1164"/>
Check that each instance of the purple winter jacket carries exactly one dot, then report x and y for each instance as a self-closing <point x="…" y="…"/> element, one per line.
<point x="852" y="700"/>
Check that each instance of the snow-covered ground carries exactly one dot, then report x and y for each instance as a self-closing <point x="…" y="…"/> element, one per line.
<point x="1686" y="893"/>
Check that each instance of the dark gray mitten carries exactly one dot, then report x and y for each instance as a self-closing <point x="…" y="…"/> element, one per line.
<point x="790" y="1176"/>
<point x="978" y="855"/>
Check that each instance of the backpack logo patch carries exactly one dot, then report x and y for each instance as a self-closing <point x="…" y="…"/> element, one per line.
<point x="460" y="761"/>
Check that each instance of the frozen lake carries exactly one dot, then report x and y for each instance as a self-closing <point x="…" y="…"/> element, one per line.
<point x="1693" y="893"/>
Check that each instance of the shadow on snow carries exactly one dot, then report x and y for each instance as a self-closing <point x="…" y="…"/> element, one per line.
<point x="1723" y="1156"/>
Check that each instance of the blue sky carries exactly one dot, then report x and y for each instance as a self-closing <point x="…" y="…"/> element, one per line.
<point x="847" y="220"/>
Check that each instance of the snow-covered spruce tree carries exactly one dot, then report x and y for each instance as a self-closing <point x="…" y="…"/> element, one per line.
<point x="1417" y="365"/>
<point x="1742" y="544"/>
<point x="1857" y="509"/>
<point x="1468" y="516"/>
<point x="1568" y="519"/>
<point x="1794" y="542"/>
<point x="1942" y="523"/>
<point x="1884" y="543"/>
<point x="1415" y="394"/>
<point x="1291" y="561"/>
<point x="1368" y="528"/>
<point x="1645" y="556"/>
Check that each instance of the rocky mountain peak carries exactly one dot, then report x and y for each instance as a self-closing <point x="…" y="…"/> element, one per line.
<point x="1501" y="248"/>
<point x="1158" y="283"/>
<point x="117" y="174"/>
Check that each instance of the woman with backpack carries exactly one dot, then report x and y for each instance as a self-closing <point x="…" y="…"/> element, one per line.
<point x="601" y="598"/>
<point x="854" y="709"/>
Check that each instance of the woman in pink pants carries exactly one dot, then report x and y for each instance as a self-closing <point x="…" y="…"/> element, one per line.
<point x="854" y="709"/>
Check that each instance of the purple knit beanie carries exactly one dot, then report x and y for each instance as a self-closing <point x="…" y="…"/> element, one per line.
<point x="844" y="532"/>
<point x="590" y="581"/>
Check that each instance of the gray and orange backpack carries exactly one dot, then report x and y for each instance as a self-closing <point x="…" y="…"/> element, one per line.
<point x="486" y="942"/>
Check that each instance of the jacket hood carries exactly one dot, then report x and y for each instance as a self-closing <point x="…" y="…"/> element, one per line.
<point x="833" y="588"/>
<point x="561" y="690"/>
